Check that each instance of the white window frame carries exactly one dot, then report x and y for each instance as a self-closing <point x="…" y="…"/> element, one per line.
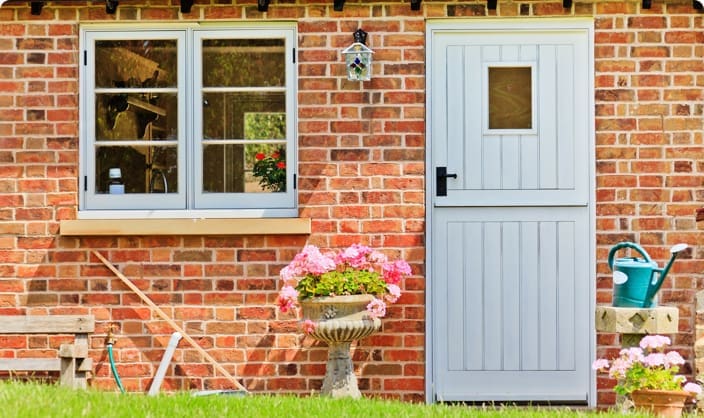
<point x="190" y="201"/>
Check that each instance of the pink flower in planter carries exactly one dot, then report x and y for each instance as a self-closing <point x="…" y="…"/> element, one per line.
<point x="309" y="326"/>
<point x="355" y="270"/>
<point x="673" y="358"/>
<point x="600" y="364"/>
<point x="394" y="293"/>
<point x="355" y="255"/>
<point x="288" y="297"/>
<point x="654" y="342"/>
<point x="394" y="271"/>
<point x="692" y="387"/>
<point x="376" y="308"/>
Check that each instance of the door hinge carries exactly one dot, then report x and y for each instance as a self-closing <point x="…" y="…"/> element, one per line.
<point x="295" y="185"/>
<point x="294" y="55"/>
<point x="85" y="183"/>
<point x="85" y="57"/>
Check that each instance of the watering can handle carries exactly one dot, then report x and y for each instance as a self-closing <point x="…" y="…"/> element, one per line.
<point x="633" y="245"/>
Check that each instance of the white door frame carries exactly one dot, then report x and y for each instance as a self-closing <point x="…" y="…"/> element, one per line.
<point x="433" y="26"/>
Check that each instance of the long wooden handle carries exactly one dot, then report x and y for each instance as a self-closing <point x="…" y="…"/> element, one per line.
<point x="166" y="318"/>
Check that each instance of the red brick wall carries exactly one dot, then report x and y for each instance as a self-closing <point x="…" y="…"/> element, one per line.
<point x="361" y="170"/>
<point x="649" y="90"/>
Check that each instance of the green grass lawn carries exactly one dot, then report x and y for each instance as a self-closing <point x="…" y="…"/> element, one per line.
<point x="35" y="400"/>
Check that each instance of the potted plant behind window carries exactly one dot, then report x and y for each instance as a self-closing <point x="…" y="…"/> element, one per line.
<point x="342" y="295"/>
<point x="648" y="375"/>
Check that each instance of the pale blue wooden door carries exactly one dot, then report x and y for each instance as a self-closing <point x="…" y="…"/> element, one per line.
<point x="511" y="249"/>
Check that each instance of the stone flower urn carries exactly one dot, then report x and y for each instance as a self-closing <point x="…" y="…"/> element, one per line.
<point x="340" y="320"/>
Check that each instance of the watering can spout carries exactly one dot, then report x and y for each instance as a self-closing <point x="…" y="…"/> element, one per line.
<point x="655" y="285"/>
<point x="635" y="281"/>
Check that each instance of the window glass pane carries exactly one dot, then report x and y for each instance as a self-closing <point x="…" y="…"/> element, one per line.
<point x="510" y="98"/>
<point x="136" y="116"/>
<point x="243" y="62"/>
<point x="143" y="169"/>
<point x="224" y="114"/>
<point x="135" y="63"/>
<point x="254" y="123"/>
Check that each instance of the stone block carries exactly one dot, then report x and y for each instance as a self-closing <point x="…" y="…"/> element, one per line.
<point x="658" y="320"/>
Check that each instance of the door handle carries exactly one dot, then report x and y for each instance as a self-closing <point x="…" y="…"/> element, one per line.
<point x="441" y="180"/>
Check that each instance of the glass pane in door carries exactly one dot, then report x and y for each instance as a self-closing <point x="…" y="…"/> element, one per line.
<point x="510" y="98"/>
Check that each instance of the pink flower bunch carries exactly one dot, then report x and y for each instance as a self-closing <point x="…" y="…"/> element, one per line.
<point x="357" y="269"/>
<point x="308" y="261"/>
<point x="647" y="367"/>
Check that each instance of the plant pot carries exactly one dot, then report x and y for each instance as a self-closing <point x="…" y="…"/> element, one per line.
<point x="664" y="403"/>
<point x="340" y="321"/>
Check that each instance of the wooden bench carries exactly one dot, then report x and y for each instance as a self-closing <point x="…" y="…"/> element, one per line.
<point x="73" y="364"/>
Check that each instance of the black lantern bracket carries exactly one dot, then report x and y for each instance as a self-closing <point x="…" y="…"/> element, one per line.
<point x="186" y="6"/>
<point x="111" y="6"/>
<point x="36" y="7"/>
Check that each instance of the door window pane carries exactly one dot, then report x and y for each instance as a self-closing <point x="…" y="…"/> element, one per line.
<point x="510" y="98"/>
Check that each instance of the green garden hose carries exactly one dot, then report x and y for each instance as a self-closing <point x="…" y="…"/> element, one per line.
<point x="114" y="369"/>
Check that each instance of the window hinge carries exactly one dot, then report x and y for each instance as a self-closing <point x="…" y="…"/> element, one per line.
<point x="85" y="183"/>
<point x="294" y="55"/>
<point x="85" y="57"/>
<point x="295" y="186"/>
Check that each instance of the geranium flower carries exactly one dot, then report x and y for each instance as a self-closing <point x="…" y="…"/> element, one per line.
<point x="600" y="364"/>
<point x="693" y="388"/>
<point x="376" y="308"/>
<point x="309" y="326"/>
<point x="394" y="271"/>
<point x="288" y="297"/>
<point x="654" y="342"/>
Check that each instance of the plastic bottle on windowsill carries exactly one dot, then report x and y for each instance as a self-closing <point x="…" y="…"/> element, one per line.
<point x="115" y="186"/>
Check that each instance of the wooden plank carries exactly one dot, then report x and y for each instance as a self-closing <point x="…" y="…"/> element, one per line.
<point x="146" y="106"/>
<point x="130" y="227"/>
<point x="47" y="324"/>
<point x="30" y="364"/>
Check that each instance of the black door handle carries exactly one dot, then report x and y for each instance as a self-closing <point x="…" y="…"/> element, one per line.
<point x="441" y="180"/>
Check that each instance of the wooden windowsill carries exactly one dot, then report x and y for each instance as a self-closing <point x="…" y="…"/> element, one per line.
<point x="123" y="227"/>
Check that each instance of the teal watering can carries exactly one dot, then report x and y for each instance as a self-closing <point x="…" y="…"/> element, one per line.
<point x="635" y="281"/>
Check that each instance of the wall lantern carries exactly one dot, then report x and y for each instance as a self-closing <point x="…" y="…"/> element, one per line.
<point x="358" y="58"/>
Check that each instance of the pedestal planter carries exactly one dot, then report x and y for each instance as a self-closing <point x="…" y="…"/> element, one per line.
<point x="340" y="321"/>
<point x="664" y="403"/>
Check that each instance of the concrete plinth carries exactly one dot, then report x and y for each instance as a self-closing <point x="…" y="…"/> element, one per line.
<point x="634" y="323"/>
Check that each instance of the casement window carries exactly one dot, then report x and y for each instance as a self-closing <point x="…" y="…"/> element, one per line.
<point x="188" y="121"/>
